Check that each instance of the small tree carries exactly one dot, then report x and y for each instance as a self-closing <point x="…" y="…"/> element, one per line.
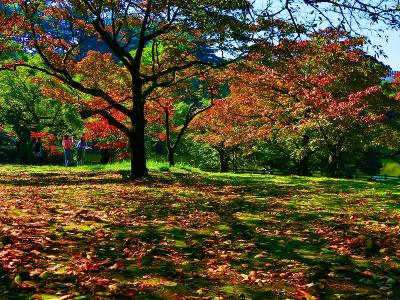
<point x="222" y="128"/>
<point x="107" y="138"/>
<point x="174" y="112"/>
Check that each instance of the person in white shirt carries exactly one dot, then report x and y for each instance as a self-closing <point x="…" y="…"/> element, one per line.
<point x="81" y="151"/>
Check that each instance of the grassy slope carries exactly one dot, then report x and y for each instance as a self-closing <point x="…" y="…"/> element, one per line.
<point x="390" y="168"/>
<point x="88" y="233"/>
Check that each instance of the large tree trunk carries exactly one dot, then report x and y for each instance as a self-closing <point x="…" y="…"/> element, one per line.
<point x="170" y="147"/>
<point x="24" y="148"/>
<point x="171" y="156"/>
<point x="137" y="138"/>
<point x="138" y="151"/>
<point x="223" y="159"/>
<point x="302" y="166"/>
<point x="333" y="165"/>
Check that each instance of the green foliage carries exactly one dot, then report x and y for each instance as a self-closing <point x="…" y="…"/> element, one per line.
<point x="390" y="168"/>
<point x="24" y="110"/>
<point x="7" y="147"/>
<point x="198" y="155"/>
<point x="72" y="118"/>
<point x="370" y="162"/>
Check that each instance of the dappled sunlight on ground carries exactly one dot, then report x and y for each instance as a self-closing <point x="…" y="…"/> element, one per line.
<point x="95" y="235"/>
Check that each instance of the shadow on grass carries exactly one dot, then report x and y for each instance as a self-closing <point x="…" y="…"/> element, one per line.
<point x="196" y="235"/>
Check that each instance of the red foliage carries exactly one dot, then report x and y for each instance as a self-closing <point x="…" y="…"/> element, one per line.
<point x="396" y="84"/>
<point x="47" y="140"/>
<point x="324" y="81"/>
<point x="106" y="135"/>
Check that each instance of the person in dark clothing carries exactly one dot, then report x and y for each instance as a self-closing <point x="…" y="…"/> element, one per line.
<point x="37" y="151"/>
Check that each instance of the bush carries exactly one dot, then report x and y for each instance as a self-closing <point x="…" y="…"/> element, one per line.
<point x="370" y="162"/>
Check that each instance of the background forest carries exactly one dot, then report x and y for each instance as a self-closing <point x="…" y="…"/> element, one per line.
<point x="320" y="104"/>
<point x="231" y="88"/>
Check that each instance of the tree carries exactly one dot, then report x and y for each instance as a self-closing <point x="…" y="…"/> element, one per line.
<point x="389" y="145"/>
<point x="24" y="109"/>
<point x="48" y="141"/>
<point x="396" y="86"/>
<point x="107" y="138"/>
<point x="172" y="112"/>
<point x="222" y="128"/>
<point x="57" y="31"/>
<point x="325" y="84"/>
<point x="7" y="146"/>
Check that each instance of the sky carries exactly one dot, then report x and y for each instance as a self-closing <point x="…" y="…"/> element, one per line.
<point x="391" y="49"/>
<point x="389" y="42"/>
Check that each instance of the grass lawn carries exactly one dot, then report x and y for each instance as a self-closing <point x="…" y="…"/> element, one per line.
<point x="390" y="168"/>
<point x="88" y="233"/>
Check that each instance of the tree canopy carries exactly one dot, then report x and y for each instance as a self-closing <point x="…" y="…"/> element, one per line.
<point x="148" y="46"/>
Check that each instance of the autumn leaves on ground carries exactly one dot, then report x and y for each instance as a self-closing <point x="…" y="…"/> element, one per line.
<point x="84" y="234"/>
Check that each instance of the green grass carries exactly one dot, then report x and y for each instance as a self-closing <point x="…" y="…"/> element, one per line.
<point x="390" y="168"/>
<point x="123" y="166"/>
<point x="89" y="233"/>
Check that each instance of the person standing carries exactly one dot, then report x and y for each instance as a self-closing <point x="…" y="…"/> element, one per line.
<point x="67" y="145"/>
<point x="81" y="151"/>
<point x="37" y="151"/>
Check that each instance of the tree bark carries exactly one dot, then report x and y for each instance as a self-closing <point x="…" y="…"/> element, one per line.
<point x="138" y="150"/>
<point x="24" y="148"/>
<point x="170" y="147"/>
<point x="224" y="160"/>
<point x="333" y="166"/>
<point x="171" y="159"/>
<point x="302" y="166"/>
<point x="137" y="136"/>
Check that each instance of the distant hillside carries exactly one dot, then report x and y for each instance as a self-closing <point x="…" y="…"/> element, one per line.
<point x="203" y="53"/>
